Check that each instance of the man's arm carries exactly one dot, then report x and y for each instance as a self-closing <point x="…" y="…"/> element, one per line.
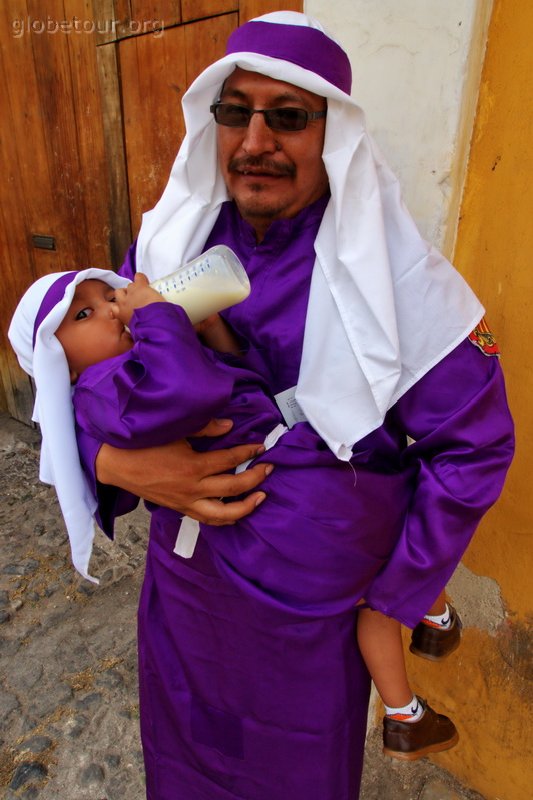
<point x="176" y="476"/>
<point x="458" y="416"/>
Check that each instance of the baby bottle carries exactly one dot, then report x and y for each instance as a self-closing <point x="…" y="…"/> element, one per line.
<point x="209" y="283"/>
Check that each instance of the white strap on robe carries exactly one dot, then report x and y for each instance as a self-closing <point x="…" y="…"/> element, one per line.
<point x="189" y="529"/>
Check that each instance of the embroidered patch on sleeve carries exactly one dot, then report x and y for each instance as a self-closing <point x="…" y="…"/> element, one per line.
<point x="484" y="339"/>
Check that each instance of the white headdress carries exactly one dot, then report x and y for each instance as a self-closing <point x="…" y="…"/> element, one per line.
<point x="32" y="335"/>
<point x="384" y="306"/>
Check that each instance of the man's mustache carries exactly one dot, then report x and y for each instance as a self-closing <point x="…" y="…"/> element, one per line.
<point x="261" y="164"/>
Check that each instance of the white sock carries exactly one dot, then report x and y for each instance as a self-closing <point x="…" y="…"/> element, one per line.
<point x="443" y="621"/>
<point x="408" y="713"/>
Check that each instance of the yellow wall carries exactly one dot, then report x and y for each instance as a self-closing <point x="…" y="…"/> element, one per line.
<point x="495" y="253"/>
<point x="486" y="686"/>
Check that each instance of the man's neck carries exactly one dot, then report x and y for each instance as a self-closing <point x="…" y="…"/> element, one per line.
<point x="262" y="223"/>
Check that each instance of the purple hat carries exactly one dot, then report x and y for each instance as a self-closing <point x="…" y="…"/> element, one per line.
<point x="307" y="47"/>
<point x="31" y="333"/>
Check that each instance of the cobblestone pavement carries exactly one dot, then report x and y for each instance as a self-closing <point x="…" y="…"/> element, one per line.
<point x="68" y="679"/>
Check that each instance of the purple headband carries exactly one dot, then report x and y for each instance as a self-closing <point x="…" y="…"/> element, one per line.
<point x="307" y="47"/>
<point x="53" y="296"/>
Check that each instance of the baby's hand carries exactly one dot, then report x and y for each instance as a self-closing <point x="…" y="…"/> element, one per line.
<point x="136" y="295"/>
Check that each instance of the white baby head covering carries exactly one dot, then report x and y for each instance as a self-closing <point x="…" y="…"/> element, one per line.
<point x="384" y="306"/>
<point x="32" y="336"/>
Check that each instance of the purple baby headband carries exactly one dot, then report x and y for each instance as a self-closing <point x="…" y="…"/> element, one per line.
<point x="53" y="296"/>
<point x="307" y="47"/>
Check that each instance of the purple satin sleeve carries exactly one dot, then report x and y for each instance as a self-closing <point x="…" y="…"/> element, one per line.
<point x="112" y="501"/>
<point x="167" y="387"/>
<point x="464" y="442"/>
<point x="129" y="267"/>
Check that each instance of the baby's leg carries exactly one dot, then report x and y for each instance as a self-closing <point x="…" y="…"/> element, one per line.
<point x="411" y="728"/>
<point x="380" y="642"/>
<point x="439" y="606"/>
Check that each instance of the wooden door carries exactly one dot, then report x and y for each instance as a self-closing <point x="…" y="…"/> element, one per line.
<point x="91" y="121"/>
<point x="55" y="213"/>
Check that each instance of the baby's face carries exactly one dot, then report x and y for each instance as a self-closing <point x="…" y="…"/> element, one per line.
<point x="89" y="332"/>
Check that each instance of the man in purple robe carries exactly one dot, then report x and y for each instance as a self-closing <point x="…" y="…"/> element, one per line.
<point x="363" y="329"/>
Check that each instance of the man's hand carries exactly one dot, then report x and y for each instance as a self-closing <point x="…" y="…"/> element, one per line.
<point x="216" y="333"/>
<point x="176" y="476"/>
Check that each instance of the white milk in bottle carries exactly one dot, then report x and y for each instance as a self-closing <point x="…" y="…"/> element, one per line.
<point x="208" y="284"/>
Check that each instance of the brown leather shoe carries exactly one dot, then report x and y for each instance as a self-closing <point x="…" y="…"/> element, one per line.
<point x="437" y="643"/>
<point x="409" y="741"/>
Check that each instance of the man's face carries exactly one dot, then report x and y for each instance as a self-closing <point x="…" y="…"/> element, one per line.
<point x="271" y="174"/>
<point x="89" y="333"/>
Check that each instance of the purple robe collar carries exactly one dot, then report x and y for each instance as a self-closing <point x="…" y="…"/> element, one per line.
<point x="307" y="47"/>
<point x="286" y="229"/>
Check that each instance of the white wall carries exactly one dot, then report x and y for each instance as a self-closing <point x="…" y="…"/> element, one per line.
<point x="416" y="67"/>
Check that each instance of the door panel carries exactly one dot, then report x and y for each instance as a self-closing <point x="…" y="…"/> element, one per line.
<point x="90" y="92"/>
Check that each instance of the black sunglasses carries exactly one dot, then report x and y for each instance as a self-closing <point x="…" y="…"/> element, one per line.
<point x="279" y="119"/>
